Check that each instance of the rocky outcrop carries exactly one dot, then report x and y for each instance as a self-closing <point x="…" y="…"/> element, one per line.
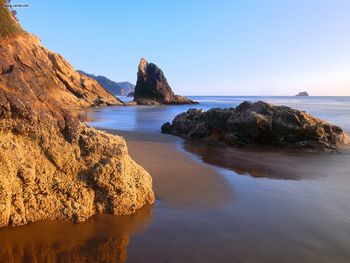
<point x="302" y="93"/>
<point x="258" y="123"/>
<point x="116" y="88"/>
<point x="26" y="64"/>
<point x="51" y="165"/>
<point x="152" y="87"/>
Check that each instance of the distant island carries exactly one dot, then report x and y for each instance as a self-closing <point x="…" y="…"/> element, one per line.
<point x="302" y="93"/>
<point x="116" y="88"/>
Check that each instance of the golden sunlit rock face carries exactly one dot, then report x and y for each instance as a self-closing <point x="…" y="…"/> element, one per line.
<point x="27" y="65"/>
<point x="51" y="165"/>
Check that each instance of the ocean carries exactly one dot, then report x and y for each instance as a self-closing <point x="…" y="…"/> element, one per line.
<point x="146" y="118"/>
<point x="214" y="204"/>
<point x="278" y="206"/>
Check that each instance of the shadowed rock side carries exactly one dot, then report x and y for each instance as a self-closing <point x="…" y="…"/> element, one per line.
<point x="258" y="123"/>
<point x="152" y="87"/>
<point x="51" y="165"/>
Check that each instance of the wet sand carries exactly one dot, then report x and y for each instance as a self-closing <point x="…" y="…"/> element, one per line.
<point x="179" y="182"/>
<point x="213" y="205"/>
<point x="283" y="204"/>
<point x="289" y="206"/>
<point x="103" y="238"/>
<point x="178" y="179"/>
<point x="261" y="161"/>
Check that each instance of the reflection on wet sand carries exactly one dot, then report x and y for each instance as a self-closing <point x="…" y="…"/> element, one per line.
<point x="104" y="238"/>
<point x="267" y="162"/>
<point x="263" y="220"/>
<point x="178" y="180"/>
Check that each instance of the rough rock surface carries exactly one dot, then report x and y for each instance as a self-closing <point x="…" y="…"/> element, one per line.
<point x="258" y="123"/>
<point x="51" y="165"/>
<point x="152" y="87"/>
<point x="28" y="66"/>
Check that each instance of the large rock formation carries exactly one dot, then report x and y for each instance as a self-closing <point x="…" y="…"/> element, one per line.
<point x="51" y="165"/>
<point x="116" y="88"/>
<point x="152" y="87"/>
<point x="258" y="123"/>
<point x="26" y="64"/>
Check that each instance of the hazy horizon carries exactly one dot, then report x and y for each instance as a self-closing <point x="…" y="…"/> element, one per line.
<point x="268" y="48"/>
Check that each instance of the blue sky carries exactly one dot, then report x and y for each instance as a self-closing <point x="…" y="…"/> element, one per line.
<point x="262" y="47"/>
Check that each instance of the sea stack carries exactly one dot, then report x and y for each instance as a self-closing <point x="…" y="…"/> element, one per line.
<point x="258" y="123"/>
<point x="152" y="87"/>
<point x="52" y="166"/>
<point x="302" y="94"/>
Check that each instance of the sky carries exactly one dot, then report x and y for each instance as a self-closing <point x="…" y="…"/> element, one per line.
<point x="204" y="47"/>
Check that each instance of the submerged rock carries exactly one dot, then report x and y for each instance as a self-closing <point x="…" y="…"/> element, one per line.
<point x="258" y="123"/>
<point x="51" y="165"/>
<point x="152" y="87"/>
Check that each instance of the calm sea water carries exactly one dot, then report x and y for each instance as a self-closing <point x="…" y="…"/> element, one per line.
<point x="260" y="205"/>
<point x="287" y="207"/>
<point x="145" y="118"/>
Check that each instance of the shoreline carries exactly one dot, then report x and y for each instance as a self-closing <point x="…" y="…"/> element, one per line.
<point x="178" y="179"/>
<point x="199" y="201"/>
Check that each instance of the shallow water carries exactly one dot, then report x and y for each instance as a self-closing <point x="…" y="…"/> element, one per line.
<point x="214" y="204"/>
<point x="146" y="118"/>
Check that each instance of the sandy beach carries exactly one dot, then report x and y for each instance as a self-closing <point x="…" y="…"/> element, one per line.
<point x="178" y="179"/>
<point x="208" y="210"/>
